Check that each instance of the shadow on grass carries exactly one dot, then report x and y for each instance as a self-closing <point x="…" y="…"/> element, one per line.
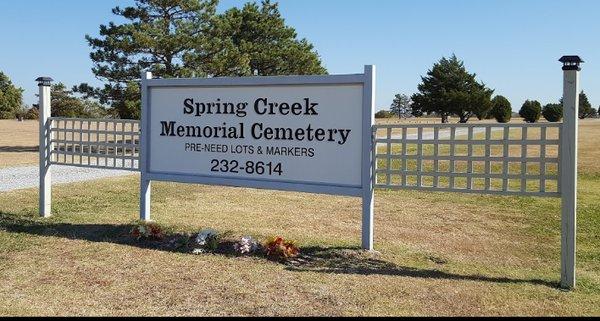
<point x="354" y="261"/>
<point x="105" y="233"/>
<point x="333" y="260"/>
<point x="18" y="149"/>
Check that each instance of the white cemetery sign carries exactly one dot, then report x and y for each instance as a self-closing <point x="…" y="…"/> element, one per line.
<point x="297" y="133"/>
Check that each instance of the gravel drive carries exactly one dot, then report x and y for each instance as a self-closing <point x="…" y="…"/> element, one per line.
<point x="14" y="178"/>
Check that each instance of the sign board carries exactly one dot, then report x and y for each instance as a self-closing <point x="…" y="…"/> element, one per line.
<point x="304" y="133"/>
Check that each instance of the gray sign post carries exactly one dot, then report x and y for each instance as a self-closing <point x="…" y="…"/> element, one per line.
<point x="45" y="139"/>
<point x="145" y="183"/>
<point x="568" y="171"/>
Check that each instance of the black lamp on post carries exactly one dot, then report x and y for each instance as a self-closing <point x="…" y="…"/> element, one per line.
<point x="570" y="62"/>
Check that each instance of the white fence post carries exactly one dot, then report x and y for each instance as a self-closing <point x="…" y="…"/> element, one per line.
<point x="45" y="139"/>
<point x="368" y="161"/>
<point x="145" y="184"/>
<point x="568" y="169"/>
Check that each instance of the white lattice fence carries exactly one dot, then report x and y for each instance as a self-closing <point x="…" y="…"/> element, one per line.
<point x="512" y="159"/>
<point x="98" y="143"/>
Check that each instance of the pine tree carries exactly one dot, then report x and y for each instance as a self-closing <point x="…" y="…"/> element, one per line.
<point x="64" y="103"/>
<point x="401" y="106"/>
<point x="585" y="108"/>
<point x="186" y="38"/>
<point x="448" y="89"/>
<point x="156" y="37"/>
<point x="256" y="41"/>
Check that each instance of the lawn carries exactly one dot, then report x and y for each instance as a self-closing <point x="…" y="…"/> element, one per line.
<point x="438" y="253"/>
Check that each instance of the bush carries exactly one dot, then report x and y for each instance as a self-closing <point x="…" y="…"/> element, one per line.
<point x="552" y="112"/>
<point x="384" y="114"/>
<point x="531" y="111"/>
<point x="32" y="113"/>
<point x="501" y="109"/>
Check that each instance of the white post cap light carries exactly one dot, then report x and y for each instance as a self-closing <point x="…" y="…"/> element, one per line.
<point x="571" y="62"/>
<point x="44" y="81"/>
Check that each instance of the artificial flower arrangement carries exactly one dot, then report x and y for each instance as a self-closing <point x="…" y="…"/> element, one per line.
<point x="279" y="248"/>
<point x="247" y="245"/>
<point x="147" y="231"/>
<point x="211" y="241"/>
<point x="207" y="240"/>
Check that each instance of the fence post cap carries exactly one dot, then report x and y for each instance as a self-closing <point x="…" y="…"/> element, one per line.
<point x="44" y="81"/>
<point x="571" y="62"/>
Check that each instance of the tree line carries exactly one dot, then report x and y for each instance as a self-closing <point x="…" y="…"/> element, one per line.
<point x="449" y="89"/>
<point x="64" y="103"/>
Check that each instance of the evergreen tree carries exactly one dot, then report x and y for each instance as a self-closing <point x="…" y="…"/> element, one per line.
<point x="585" y="108"/>
<point x="11" y="97"/>
<point x="531" y="111"/>
<point x="256" y="41"/>
<point x="32" y="113"/>
<point x="156" y="37"/>
<point x="186" y="38"/>
<point x="93" y="109"/>
<point x="64" y="103"/>
<point x="401" y="106"/>
<point x="501" y="109"/>
<point x="448" y="89"/>
<point x="552" y="112"/>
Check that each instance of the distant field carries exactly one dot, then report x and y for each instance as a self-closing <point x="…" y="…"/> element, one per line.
<point x="440" y="253"/>
<point x="18" y="142"/>
<point x="436" y="120"/>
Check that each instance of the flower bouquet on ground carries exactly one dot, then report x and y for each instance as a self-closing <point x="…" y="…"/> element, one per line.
<point x="208" y="240"/>
<point x="148" y="231"/>
<point x="280" y="249"/>
<point x="247" y="245"/>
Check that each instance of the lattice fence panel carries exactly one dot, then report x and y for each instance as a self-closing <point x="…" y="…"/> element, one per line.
<point x="97" y="143"/>
<point x="511" y="159"/>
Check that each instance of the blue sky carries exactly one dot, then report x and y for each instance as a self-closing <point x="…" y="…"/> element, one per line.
<point x="512" y="45"/>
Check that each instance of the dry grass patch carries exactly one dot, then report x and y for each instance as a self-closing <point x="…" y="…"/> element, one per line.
<point x="18" y="142"/>
<point x="589" y="151"/>
<point x="441" y="254"/>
